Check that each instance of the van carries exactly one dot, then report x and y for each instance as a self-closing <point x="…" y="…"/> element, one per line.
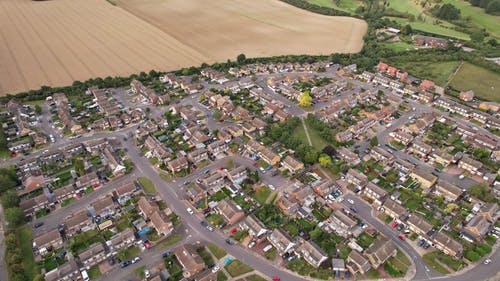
<point x="267" y="248"/>
<point x="85" y="275"/>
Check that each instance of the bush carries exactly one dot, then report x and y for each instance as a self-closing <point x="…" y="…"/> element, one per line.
<point x="472" y="256"/>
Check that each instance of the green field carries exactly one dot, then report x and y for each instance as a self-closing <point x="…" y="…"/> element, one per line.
<point x="147" y="185"/>
<point x="342" y="5"/>
<point x="484" y="83"/>
<point x="428" y="26"/>
<point x="437" y="72"/>
<point x="317" y="141"/>
<point x="237" y="268"/>
<point x="477" y="15"/>
<point x="399" y="46"/>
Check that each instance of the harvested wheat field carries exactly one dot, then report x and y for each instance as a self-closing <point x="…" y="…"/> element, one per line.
<point x="222" y="29"/>
<point x="59" y="41"/>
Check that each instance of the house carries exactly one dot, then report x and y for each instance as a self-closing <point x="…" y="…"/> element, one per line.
<point x="103" y="207"/>
<point x="448" y="245"/>
<point x="425" y="97"/>
<point x="291" y="164"/>
<point x="429" y="41"/>
<point x="254" y="226"/>
<point x="401" y="136"/>
<point x="269" y="156"/>
<point x="157" y="149"/>
<point x="33" y="205"/>
<point x="66" y="272"/>
<point x="419" y="225"/>
<point x="146" y="207"/>
<point x="237" y="175"/>
<point x="281" y="241"/>
<point x="442" y="157"/>
<point x="470" y="165"/>
<point x="87" y="180"/>
<point x="376" y="193"/>
<point x="112" y="163"/>
<point x="477" y="227"/>
<point x="229" y="211"/>
<point x="382" y="155"/>
<point x="178" y="164"/>
<point x="288" y="205"/>
<point x="381" y="251"/>
<point x="341" y="222"/>
<point x="198" y="155"/>
<point x="235" y="130"/>
<point x="346" y="155"/>
<point x="312" y="253"/>
<point x="161" y="223"/>
<point x="466" y="96"/>
<point x="356" y="178"/>
<point x="217" y="147"/>
<point x="420" y="148"/>
<point x="426" y="85"/>
<point x="189" y="259"/>
<point x="93" y="255"/>
<point x="224" y="136"/>
<point x="125" y="189"/>
<point x="394" y="210"/>
<point x="214" y="179"/>
<point x="33" y="182"/>
<point x="490" y="212"/>
<point x="122" y="240"/>
<point x="324" y="187"/>
<point x="450" y="192"/>
<point x="357" y="263"/>
<point x="78" y="222"/>
<point x="49" y="240"/>
<point x="344" y="136"/>
<point x="426" y="179"/>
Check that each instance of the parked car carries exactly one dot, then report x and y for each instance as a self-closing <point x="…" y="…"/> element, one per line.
<point x="394" y="224"/>
<point x="38" y="224"/>
<point x="204" y="223"/>
<point x="215" y="269"/>
<point x="136" y="259"/>
<point x="190" y="211"/>
<point x="350" y="201"/>
<point x="147" y="274"/>
<point x="354" y="210"/>
<point x="421" y="242"/>
<point x="487" y="261"/>
<point x="166" y="254"/>
<point x="125" y="264"/>
<point x="401" y="237"/>
<point x="229" y="242"/>
<point x="251" y="244"/>
<point x="147" y="244"/>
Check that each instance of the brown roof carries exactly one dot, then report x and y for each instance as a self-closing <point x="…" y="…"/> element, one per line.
<point x="189" y="259"/>
<point x="46" y="238"/>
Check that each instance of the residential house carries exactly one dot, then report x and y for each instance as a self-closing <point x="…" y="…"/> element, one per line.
<point x="103" y="207"/>
<point x="146" y="207"/>
<point x="161" y="223"/>
<point x="254" y="226"/>
<point x="420" y="148"/>
<point x="217" y="147"/>
<point x="281" y="241"/>
<point x="237" y="175"/>
<point x="324" y="187"/>
<point x="215" y="179"/>
<point x="404" y="167"/>
<point x="419" y="225"/>
<point x="178" y="164"/>
<point x="157" y="149"/>
<point x="32" y="205"/>
<point x="357" y="263"/>
<point x="229" y="211"/>
<point x="196" y="193"/>
<point x="66" y="272"/>
<point x="470" y="165"/>
<point x="112" y="163"/>
<point x="292" y="164"/>
<point x="344" y="136"/>
<point x="189" y="259"/>
<point x="48" y="240"/>
<point x="341" y="222"/>
<point x="33" y="182"/>
<point x="394" y="210"/>
<point x="122" y="240"/>
<point x="429" y="41"/>
<point x="356" y="178"/>
<point x="346" y="155"/>
<point x="450" y="192"/>
<point x="198" y="155"/>
<point x="288" y="205"/>
<point x="124" y="190"/>
<point x="269" y="156"/>
<point x="426" y="179"/>
<point x="448" y="245"/>
<point x="312" y="253"/>
<point x="442" y="157"/>
<point x="490" y="211"/>
<point x="382" y="155"/>
<point x="93" y="255"/>
<point x="78" y="222"/>
<point x="401" y="136"/>
<point x="381" y="251"/>
<point x="87" y="180"/>
<point x="376" y="193"/>
<point x="477" y="227"/>
<point x="224" y="136"/>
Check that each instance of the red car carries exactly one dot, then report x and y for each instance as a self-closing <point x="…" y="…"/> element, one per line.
<point x="147" y="244"/>
<point x="394" y="224"/>
<point x="256" y="165"/>
<point x="401" y="237"/>
<point x="233" y="231"/>
<point x="276" y="279"/>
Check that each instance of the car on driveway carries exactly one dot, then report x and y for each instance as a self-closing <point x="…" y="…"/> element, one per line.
<point x="125" y="264"/>
<point x="215" y="269"/>
<point x="229" y="242"/>
<point x="394" y="224"/>
<point x="228" y="261"/>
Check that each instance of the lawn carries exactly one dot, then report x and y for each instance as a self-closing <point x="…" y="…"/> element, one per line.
<point x="372" y="274"/>
<point x="342" y="5"/>
<point x="430" y="260"/>
<point x="271" y="254"/>
<point x="94" y="272"/>
<point x="205" y="255"/>
<point x="317" y="141"/>
<point x="261" y="194"/>
<point x="215" y="220"/>
<point x="429" y="26"/>
<point x="439" y="72"/>
<point x="216" y="251"/>
<point x="221" y="276"/>
<point x="399" y="46"/>
<point x="484" y="83"/>
<point x="364" y="240"/>
<point x="139" y="272"/>
<point x="255" y="277"/>
<point x="483" y="20"/>
<point x="68" y="201"/>
<point x="398" y="265"/>
<point x="24" y="236"/>
<point x="129" y="253"/>
<point x="237" y="268"/>
<point x="170" y="241"/>
<point x="147" y="185"/>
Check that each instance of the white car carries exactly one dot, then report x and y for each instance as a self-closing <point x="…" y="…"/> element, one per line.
<point x="190" y="211"/>
<point x="350" y="201"/>
<point x="215" y="269"/>
<point x="272" y="187"/>
<point x="147" y="274"/>
<point x="487" y="261"/>
<point x="251" y="244"/>
<point x="136" y="259"/>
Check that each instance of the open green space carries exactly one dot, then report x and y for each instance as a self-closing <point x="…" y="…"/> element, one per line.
<point x="399" y="46"/>
<point x="398" y="265"/>
<point x="372" y="274"/>
<point x="477" y="16"/>
<point x="139" y="272"/>
<point x="170" y="241"/>
<point x="147" y="185"/>
<point x="24" y="236"/>
<point x="317" y="141"/>
<point x="205" y="255"/>
<point x="94" y="272"/>
<point x="255" y="277"/>
<point x="129" y="253"/>
<point x="484" y="83"/>
<point x="261" y="194"/>
<point x="237" y="268"/>
<point x="437" y="259"/>
<point x="221" y="276"/>
<point x="439" y="72"/>
<point x="429" y="25"/>
<point x="216" y="251"/>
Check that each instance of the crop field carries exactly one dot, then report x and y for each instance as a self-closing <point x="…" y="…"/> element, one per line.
<point x="484" y="83"/>
<point x="222" y="29"/>
<point x="57" y="42"/>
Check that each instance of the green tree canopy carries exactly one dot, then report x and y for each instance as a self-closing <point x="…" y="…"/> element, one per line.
<point x="325" y="160"/>
<point x="305" y="99"/>
<point x="14" y="216"/>
<point x="10" y="199"/>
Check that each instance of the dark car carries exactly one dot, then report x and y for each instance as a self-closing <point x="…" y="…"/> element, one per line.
<point x="125" y="264"/>
<point x="229" y="242"/>
<point x="111" y="261"/>
<point x="166" y="254"/>
<point x="204" y="223"/>
<point x="38" y="224"/>
<point x="354" y="210"/>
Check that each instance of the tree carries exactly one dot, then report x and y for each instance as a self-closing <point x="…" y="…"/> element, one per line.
<point x="80" y="166"/>
<point x="325" y="160"/>
<point x="406" y="30"/>
<point x="477" y="37"/>
<point x="482" y="191"/>
<point x="217" y="115"/>
<point x="10" y="199"/>
<point x="493" y="8"/>
<point x="38" y="109"/>
<point x="374" y="141"/>
<point x="14" y="216"/>
<point x="450" y="208"/>
<point x="448" y="12"/>
<point x="305" y="99"/>
<point x="241" y="58"/>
